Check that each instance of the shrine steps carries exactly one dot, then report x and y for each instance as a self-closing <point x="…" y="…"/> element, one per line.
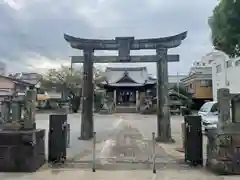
<point x="126" y="109"/>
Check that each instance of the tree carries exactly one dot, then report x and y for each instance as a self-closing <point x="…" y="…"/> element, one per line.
<point x="181" y="90"/>
<point x="57" y="78"/>
<point x="225" y="26"/>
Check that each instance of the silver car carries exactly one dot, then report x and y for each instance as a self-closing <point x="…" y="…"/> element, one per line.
<point x="209" y="114"/>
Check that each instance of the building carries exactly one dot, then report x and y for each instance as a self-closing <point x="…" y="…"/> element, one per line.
<point x="33" y="78"/>
<point x="10" y="86"/>
<point x="127" y="86"/>
<point x="131" y="87"/>
<point x="225" y="72"/>
<point x="199" y="81"/>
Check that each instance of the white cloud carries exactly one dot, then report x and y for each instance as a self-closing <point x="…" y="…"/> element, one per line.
<point x="32" y="30"/>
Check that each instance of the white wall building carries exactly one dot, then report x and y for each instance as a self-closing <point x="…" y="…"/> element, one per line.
<point x="225" y="73"/>
<point x="203" y="66"/>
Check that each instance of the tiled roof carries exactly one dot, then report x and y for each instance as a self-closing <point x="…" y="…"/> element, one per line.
<point x="17" y="80"/>
<point x="137" y="74"/>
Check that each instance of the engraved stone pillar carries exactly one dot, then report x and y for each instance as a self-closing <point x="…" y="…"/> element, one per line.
<point x="5" y="111"/>
<point x="163" y="117"/>
<point x="16" y="116"/>
<point x="87" y="101"/>
<point x="223" y="98"/>
<point x="29" y="110"/>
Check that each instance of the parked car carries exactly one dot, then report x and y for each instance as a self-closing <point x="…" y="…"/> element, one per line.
<point x="209" y="114"/>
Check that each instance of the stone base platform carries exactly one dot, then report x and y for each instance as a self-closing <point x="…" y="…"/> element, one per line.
<point x="223" y="152"/>
<point x="22" y="151"/>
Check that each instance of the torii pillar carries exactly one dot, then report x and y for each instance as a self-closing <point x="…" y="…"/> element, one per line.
<point x="163" y="110"/>
<point x="87" y="95"/>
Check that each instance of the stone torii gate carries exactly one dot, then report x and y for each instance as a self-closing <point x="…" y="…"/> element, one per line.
<point x="124" y="45"/>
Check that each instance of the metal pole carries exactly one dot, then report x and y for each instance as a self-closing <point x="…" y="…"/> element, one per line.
<point x="183" y="136"/>
<point x="153" y="152"/>
<point x="68" y="135"/>
<point x="177" y="83"/>
<point x="94" y="153"/>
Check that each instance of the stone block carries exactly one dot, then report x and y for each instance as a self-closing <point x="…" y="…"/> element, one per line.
<point x="223" y="155"/>
<point x="22" y="151"/>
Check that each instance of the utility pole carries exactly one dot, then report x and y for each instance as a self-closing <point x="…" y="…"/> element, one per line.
<point x="178" y="84"/>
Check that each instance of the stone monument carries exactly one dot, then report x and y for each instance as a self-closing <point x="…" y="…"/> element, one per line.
<point x="22" y="145"/>
<point x="223" y="148"/>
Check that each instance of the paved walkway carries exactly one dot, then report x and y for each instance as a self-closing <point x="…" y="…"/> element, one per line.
<point x="127" y="171"/>
<point x="78" y="174"/>
<point x="103" y="125"/>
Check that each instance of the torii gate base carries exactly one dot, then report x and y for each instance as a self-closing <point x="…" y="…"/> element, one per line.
<point x="124" y="45"/>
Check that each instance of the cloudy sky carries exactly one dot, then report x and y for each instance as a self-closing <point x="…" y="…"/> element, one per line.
<point x="31" y="31"/>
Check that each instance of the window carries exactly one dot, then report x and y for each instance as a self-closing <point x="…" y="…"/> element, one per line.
<point x="237" y="63"/>
<point x="229" y="64"/>
<point x="210" y="83"/>
<point x="206" y="107"/>
<point x="205" y="83"/>
<point x="214" y="108"/>
<point x="219" y="68"/>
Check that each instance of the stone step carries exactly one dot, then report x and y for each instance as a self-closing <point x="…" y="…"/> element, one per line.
<point x="126" y="109"/>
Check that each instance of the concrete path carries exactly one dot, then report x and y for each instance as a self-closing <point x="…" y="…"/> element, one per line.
<point x="105" y="127"/>
<point x="78" y="174"/>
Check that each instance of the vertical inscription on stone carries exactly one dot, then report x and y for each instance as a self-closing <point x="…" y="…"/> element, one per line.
<point x="29" y="110"/>
<point x="87" y="101"/>
<point x="223" y="97"/>
<point x="124" y="47"/>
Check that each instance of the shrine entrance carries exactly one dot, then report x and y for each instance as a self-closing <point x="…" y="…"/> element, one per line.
<point x="126" y="96"/>
<point x="127" y="142"/>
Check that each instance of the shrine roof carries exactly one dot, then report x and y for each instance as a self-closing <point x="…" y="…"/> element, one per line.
<point x="137" y="76"/>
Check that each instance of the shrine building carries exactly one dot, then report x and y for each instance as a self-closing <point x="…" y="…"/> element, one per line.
<point x="127" y="85"/>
